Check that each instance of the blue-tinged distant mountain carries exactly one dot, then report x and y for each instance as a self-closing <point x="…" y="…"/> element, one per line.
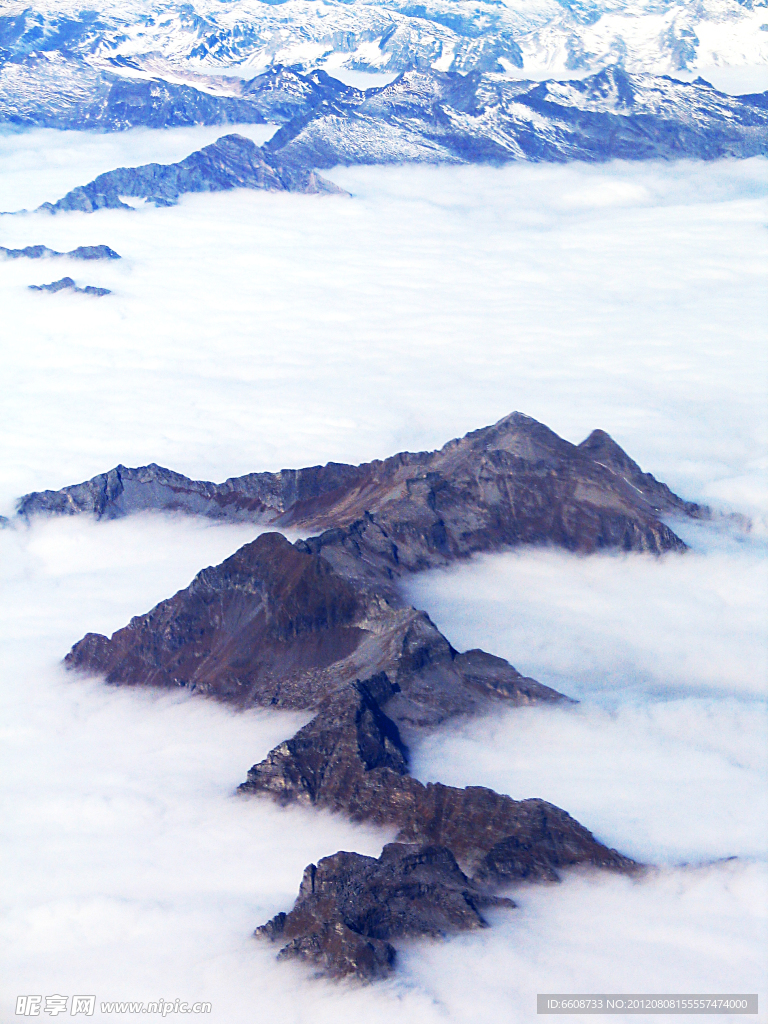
<point x="455" y="98"/>
<point x="446" y="117"/>
<point x="437" y="117"/>
<point x="232" y="162"/>
<point x="656" y="36"/>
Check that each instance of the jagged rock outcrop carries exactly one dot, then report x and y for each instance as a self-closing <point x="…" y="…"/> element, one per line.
<point x="57" y="89"/>
<point x="349" y="906"/>
<point x="443" y="117"/>
<point x="428" y="116"/>
<point x="232" y="162"/>
<point x="425" y="115"/>
<point x="68" y="284"/>
<point x="351" y="759"/>
<point x="277" y="625"/>
<point x="515" y="482"/>
<point x="82" y="252"/>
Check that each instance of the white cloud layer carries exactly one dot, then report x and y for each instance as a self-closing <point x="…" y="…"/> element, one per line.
<point x="250" y="330"/>
<point x="133" y="873"/>
<point x="253" y="331"/>
<point x="615" y="624"/>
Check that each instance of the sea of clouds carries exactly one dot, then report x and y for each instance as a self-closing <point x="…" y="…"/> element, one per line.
<point x="255" y="331"/>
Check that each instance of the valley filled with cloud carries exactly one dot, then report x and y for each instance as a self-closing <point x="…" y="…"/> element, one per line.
<point x="253" y="331"/>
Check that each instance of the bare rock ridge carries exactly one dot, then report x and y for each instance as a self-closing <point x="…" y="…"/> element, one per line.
<point x="511" y="483"/>
<point x="68" y="284"/>
<point x="277" y="625"/>
<point x="322" y="624"/>
<point x="351" y="758"/>
<point x="231" y="162"/>
<point x="349" y="906"/>
<point x="82" y="252"/>
<point x="424" y="116"/>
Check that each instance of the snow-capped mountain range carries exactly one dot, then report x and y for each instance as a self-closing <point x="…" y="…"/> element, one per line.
<point x="463" y="76"/>
<point x="538" y="37"/>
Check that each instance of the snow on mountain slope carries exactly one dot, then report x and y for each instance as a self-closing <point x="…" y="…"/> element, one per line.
<point x="552" y="36"/>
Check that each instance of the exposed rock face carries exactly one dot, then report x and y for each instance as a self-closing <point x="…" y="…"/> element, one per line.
<point x="232" y="162"/>
<point x="351" y="759"/>
<point x="68" y="284"/>
<point x="511" y="483"/>
<point x="64" y="91"/>
<point x="82" y="252"/>
<point x="321" y="625"/>
<point x="275" y="625"/>
<point x="425" y="115"/>
<point x="349" y="906"/>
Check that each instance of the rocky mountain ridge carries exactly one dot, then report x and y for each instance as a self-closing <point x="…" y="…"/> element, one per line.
<point x="231" y="162"/>
<point x="82" y="252"/>
<point x="513" y="482"/>
<point x="440" y="117"/>
<point x="278" y="626"/>
<point x="431" y="116"/>
<point x="68" y="284"/>
<point x="322" y="624"/>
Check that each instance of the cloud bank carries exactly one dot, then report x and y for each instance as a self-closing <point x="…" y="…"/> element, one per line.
<point x="250" y="331"/>
<point x="136" y="875"/>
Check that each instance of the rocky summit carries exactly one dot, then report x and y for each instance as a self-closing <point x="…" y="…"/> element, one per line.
<point x="322" y="625"/>
<point x="278" y="626"/>
<point x="515" y="482"/>
<point x="454" y="848"/>
<point x="350" y="906"/>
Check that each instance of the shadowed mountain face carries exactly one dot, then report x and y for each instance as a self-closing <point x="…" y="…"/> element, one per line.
<point x="321" y="624"/>
<point x="349" y="906"/>
<point x="276" y="624"/>
<point x="454" y="846"/>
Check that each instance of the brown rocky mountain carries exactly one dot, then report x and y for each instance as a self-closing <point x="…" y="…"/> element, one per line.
<point x="321" y="624"/>
<point x="510" y="483"/>
<point x="351" y="759"/>
<point x="279" y="626"/>
<point x="349" y="906"/>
